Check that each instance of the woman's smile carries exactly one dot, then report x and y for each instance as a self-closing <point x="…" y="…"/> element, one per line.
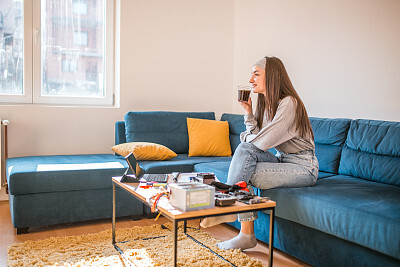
<point x="257" y="80"/>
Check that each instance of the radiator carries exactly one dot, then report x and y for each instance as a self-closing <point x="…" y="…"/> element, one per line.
<point x="2" y="148"/>
<point x="3" y="152"/>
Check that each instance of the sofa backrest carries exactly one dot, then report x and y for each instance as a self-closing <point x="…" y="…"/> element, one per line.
<point x="236" y="126"/>
<point x="372" y="151"/>
<point x="365" y="149"/>
<point x="120" y="132"/>
<point x="329" y="137"/>
<point x="162" y="127"/>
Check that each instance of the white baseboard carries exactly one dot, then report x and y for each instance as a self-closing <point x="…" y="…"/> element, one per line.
<point x="3" y="195"/>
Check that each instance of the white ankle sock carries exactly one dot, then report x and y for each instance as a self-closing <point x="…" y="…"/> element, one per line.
<point x="241" y="241"/>
<point x="212" y="221"/>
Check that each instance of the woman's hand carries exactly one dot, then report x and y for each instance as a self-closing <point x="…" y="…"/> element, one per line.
<point x="247" y="106"/>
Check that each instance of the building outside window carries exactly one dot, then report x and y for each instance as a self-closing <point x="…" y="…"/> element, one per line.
<point x="68" y="36"/>
<point x="91" y="71"/>
<point x="79" y="6"/>
<point x="68" y="65"/>
<point x="11" y="47"/>
<point x="81" y="38"/>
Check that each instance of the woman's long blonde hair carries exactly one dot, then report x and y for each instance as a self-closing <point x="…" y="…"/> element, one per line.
<point x="279" y="86"/>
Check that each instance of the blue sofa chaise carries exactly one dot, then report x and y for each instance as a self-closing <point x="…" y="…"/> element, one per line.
<point x="351" y="217"/>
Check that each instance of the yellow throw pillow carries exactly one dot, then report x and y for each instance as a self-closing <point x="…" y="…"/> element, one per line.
<point x="208" y="138"/>
<point x="144" y="151"/>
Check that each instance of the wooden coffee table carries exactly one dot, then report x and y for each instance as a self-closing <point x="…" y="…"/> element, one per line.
<point x="177" y="216"/>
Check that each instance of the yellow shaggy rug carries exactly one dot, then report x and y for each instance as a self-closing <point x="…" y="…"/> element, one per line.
<point x="138" y="250"/>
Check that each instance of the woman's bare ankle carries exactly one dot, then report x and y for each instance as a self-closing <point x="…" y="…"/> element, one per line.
<point x="212" y="221"/>
<point x="247" y="227"/>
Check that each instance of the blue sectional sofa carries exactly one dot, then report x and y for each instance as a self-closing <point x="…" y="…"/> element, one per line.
<point x="351" y="217"/>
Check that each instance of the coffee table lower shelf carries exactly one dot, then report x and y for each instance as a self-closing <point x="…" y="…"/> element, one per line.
<point x="185" y="216"/>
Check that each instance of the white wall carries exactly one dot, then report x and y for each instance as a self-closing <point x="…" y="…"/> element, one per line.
<point x="343" y="57"/>
<point x="175" y="55"/>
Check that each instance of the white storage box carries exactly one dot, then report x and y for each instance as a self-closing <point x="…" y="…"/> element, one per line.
<point x="192" y="196"/>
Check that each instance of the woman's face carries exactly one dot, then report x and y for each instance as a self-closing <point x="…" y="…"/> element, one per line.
<point x="258" y="80"/>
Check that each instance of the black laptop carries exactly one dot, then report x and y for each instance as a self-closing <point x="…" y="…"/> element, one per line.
<point x="138" y="173"/>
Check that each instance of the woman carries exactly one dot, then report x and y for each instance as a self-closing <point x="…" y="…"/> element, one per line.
<point x="280" y="122"/>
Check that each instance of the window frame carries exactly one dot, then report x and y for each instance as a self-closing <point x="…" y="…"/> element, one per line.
<point x="32" y="62"/>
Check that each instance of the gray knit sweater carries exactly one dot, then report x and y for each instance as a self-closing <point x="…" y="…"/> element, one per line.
<point x="279" y="133"/>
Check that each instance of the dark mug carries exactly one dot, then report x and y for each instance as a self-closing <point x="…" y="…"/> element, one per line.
<point x="244" y="93"/>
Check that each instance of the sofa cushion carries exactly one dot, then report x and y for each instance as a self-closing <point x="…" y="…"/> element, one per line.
<point x="322" y="174"/>
<point x="208" y="138"/>
<point x="181" y="163"/>
<point x="144" y="151"/>
<point x="372" y="151"/>
<point x="359" y="211"/>
<point x="219" y="168"/>
<point x="236" y="126"/>
<point x="162" y="127"/>
<point x="329" y="137"/>
<point x="38" y="174"/>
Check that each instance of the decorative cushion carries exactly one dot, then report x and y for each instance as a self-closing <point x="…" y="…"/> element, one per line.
<point x="144" y="151"/>
<point x="208" y="138"/>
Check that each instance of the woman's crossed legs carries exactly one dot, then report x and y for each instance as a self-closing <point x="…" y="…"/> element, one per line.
<point x="263" y="170"/>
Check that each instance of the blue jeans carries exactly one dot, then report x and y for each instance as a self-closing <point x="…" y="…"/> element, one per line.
<point x="265" y="171"/>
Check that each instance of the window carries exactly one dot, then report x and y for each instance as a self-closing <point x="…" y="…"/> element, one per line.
<point x="11" y="47"/>
<point x="60" y="57"/>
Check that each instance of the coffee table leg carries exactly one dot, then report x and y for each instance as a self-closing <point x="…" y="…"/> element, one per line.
<point x="184" y="226"/>
<point x="271" y="235"/>
<point x="175" y="226"/>
<point x="113" y="216"/>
